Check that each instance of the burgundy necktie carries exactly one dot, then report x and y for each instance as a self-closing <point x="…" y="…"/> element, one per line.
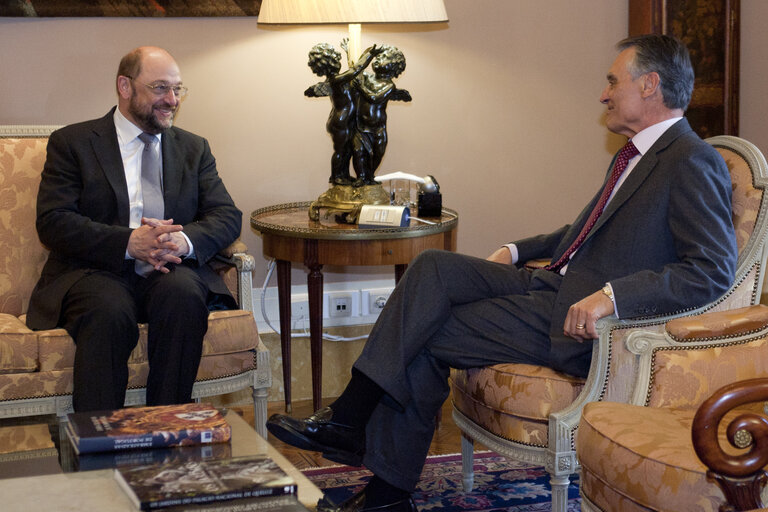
<point x="625" y="155"/>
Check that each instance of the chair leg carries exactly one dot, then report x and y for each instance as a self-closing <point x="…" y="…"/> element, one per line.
<point x="260" y="410"/>
<point x="559" y="492"/>
<point x="467" y="462"/>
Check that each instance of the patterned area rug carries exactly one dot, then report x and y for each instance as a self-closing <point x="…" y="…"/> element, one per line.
<point x="500" y="484"/>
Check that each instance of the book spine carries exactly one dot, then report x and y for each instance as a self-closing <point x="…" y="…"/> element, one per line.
<point x="257" y="492"/>
<point x="153" y="440"/>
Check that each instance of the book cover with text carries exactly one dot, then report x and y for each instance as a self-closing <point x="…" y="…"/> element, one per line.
<point x="147" y="427"/>
<point x="204" y="482"/>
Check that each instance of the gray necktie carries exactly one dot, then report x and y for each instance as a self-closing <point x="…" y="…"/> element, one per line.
<point x="151" y="188"/>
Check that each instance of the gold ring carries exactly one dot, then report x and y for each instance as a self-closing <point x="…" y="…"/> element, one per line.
<point x="580" y="326"/>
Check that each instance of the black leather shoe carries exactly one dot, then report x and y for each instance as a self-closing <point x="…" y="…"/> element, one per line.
<point x="337" y="442"/>
<point x="357" y="504"/>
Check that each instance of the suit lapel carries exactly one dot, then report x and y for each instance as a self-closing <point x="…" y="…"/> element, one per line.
<point x="641" y="172"/>
<point x="172" y="171"/>
<point x="107" y="151"/>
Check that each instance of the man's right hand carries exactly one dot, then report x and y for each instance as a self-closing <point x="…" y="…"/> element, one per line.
<point x="153" y="237"/>
<point x="501" y="255"/>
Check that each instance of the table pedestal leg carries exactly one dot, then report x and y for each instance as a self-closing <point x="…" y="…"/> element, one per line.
<point x="284" y="305"/>
<point x="315" y="292"/>
<point x="400" y="269"/>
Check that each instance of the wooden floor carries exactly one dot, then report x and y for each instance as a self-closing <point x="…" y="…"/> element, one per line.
<point x="447" y="437"/>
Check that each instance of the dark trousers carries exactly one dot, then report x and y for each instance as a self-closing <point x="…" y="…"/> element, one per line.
<point x="101" y="311"/>
<point x="448" y="310"/>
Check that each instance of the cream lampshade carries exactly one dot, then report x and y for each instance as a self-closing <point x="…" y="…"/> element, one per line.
<point x="353" y="12"/>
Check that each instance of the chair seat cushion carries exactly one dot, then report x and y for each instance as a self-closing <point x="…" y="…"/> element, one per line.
<point x="228" y="349"/>
<point x="18" y="346"/>
<point x="513" y="401"/>
<point x="641" y="458"/>
<point x="229" y="332"/>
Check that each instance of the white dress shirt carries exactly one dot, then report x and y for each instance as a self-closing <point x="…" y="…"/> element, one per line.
<point x="131" y="148"/>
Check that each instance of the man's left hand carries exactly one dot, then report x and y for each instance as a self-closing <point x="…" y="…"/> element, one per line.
<point x="582" y="316"/>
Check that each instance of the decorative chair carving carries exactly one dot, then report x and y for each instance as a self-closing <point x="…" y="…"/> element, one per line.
<point x="642" y="455"/>
<point x="36" y="366"/>
<point x="531" y="413"/>
<point x="741" y="477"/>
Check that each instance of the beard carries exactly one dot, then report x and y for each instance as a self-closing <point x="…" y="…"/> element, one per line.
<point x="147" y="119"/>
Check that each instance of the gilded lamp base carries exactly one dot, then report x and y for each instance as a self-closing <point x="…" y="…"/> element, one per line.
<point x="346" y="201"/>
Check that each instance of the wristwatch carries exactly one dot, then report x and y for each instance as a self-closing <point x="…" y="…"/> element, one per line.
<point x="607" y="291"/>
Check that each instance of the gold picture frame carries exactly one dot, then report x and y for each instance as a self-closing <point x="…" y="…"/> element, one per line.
<point x="129" y="8"/>
<point x="710" y="29"/>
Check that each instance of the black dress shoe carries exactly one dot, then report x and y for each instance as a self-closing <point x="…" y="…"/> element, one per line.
<point x="357" y="504"/>
<point x="337" y="442"/>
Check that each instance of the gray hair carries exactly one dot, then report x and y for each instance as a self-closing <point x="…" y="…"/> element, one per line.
<point x="668" y="57"/>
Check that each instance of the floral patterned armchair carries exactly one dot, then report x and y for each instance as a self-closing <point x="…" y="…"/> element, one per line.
<point x="36" y="366"/>
<point x="532" y="413"/>
<point x="642" y="455"/>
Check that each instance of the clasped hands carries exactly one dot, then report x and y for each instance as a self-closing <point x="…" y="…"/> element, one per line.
<point x="158" y="242"/>
<point x="582" y="316"/>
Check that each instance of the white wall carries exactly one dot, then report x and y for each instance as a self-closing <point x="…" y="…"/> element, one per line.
<point x="505" y="109"/>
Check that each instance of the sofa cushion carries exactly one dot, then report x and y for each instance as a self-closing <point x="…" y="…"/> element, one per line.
<point x="229" y="332"/>
<point x="642" y="458"/>
<point x="18" y="346"/>
<point x="15" y="386"/>
<point x="22" y="256"/>
<point x="514" y="401"/>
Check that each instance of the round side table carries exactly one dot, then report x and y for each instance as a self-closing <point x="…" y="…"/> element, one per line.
<point x="290" y="236"/>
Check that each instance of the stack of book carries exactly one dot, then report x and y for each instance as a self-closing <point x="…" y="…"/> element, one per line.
<point x="177" y="456"/>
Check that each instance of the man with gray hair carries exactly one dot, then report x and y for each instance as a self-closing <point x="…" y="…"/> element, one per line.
<point x="656" y="239"/>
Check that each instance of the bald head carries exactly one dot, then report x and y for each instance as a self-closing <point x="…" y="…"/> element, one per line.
<point x="131" y="63"/>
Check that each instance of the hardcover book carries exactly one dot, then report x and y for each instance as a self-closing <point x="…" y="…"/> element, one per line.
<point x="204" y="482"/>
<point x="141" y="456"/>
<point x="147" y="427"/>
<point x="286" y="503"/>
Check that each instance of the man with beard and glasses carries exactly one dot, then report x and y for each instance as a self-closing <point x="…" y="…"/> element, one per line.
<point x="132" y="209"/>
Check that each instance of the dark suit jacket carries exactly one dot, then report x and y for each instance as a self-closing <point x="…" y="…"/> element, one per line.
<point x="665" y="242"/>
<point x="83" y="210"/>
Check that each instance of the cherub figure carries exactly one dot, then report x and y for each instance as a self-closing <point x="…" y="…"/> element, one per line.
<point x="373" y="94"/>
<point x="325" y="61"/>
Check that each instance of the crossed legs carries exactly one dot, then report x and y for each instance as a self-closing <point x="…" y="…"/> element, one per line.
<point x="448" y="310"/>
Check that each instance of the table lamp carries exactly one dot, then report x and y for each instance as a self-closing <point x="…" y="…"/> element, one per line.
<point x="353" y="140"/>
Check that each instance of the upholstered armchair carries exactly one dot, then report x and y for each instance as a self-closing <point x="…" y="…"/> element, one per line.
<point x="532" y="413"/>
<point x="36" y="366"/>
<point x="642" y="455"/>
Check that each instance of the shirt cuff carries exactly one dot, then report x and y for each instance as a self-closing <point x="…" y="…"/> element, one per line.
<point x="613" y="299"/>
<point x="513" y="252"/>
<point x="191" y="253"/>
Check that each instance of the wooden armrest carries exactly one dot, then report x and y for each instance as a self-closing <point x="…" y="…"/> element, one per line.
<point x="720" y="324"/>
<point x="741" y="477"/>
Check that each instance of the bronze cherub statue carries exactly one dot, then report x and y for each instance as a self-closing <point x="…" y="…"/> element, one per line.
<point x="356" y="123"/>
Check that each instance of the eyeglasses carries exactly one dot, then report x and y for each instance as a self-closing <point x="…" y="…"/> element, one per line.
<point x="163" y="89"/>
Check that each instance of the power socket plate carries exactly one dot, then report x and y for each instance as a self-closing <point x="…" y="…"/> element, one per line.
<point x="339" y="305"/>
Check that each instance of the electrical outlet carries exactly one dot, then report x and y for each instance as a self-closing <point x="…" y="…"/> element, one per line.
<point x="377" y="299"/>
<point x="339" y="305"/>
<point x="299" y="311"/>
